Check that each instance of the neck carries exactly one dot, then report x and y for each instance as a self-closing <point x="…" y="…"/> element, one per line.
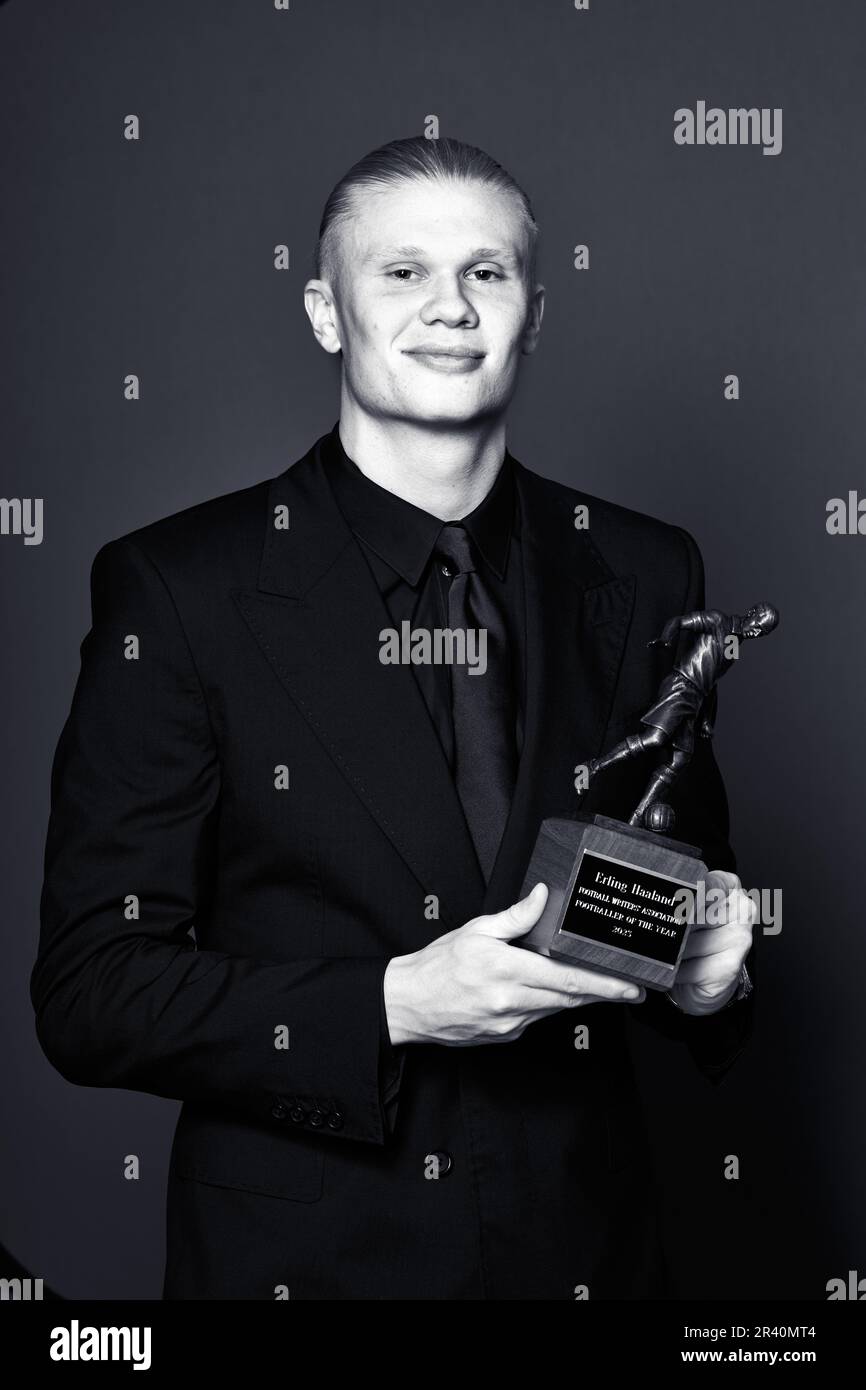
<point x="444" y="472"/>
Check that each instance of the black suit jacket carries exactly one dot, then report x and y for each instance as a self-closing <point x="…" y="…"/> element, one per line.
<point x="257" y="622"/>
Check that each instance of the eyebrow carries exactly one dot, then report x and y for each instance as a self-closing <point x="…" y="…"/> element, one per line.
<point x="477" y="253"/>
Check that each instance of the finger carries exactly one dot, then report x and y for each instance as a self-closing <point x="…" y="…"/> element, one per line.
<point x="539" y="972"/>
<point x="517" y="919"/>
<point x="715" y="939"/>
<point x="573" y="980"/>
<point x="718" y="969"/>
<point x="737" y="909"/>
<point x="543" y="1001"/>
<point x="546" y="972"/>
<point x="533" y="970"/>
<point x="742" y="908"/>
<point x="723" y="878"/>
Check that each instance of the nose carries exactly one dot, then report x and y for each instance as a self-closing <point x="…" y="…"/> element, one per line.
<point x="449" y="303"/>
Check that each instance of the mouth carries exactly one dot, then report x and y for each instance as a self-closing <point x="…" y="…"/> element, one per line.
<point x="447" y="359"/>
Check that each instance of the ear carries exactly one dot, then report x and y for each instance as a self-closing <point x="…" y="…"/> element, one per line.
<point x="322" y="312"/>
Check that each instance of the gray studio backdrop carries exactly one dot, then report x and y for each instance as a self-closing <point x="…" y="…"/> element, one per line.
<point x="155" y="257"/>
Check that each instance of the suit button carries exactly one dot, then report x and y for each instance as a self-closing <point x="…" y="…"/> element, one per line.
<point x="444" y="1161"/>
<point x="297" y="1115"/>
<point x="317" y="1118"/>
<point x="278" y="1110"/>
<point x="335" y="1119"/>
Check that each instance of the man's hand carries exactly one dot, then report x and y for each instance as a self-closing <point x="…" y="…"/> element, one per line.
<point x="707" y="977"/>
<point x="471" y="986"/>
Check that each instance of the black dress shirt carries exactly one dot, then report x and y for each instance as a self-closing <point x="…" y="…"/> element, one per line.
<point x="398" y="541"/>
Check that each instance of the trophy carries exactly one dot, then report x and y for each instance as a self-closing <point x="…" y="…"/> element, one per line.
<point x="619" y="894"/>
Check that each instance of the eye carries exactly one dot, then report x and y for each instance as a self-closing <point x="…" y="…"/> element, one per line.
<point x="486" y="270"/>
<point x="403" y="270"/>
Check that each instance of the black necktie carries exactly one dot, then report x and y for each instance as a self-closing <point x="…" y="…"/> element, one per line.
<point x="482" y="702"/>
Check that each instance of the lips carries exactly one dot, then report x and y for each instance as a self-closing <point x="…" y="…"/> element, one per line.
<point x="448" y="361"/>
<point x="432" y="350"/>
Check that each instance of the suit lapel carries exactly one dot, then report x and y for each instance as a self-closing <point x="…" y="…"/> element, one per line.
<point x="577" y="619"/>
<point x="317" y="614"/>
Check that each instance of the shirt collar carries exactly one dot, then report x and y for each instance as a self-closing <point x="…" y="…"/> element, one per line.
<point x="404" y="535"/>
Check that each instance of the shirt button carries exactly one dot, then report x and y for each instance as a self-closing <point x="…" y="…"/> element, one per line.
<point x="335" y="1120"/>
<point x="298" y="1115"/>
<point x="317" y="1118"/>
<point x="445" y="1163"/>
<point x="278" y="1110"/>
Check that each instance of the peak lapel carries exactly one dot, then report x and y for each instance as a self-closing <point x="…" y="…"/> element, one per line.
<point x="316" y="615"/>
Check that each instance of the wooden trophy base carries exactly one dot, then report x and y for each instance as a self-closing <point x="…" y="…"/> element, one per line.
<point x="619" y="897"/>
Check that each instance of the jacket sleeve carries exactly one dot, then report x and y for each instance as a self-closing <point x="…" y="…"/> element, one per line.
<point x="122" y="996"/>
<point x="715" y="1041"/>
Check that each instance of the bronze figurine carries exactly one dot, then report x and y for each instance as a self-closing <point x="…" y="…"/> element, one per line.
<point x="687" y="700"/>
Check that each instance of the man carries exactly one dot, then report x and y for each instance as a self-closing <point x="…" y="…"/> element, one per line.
<point x="382" y="1096"/>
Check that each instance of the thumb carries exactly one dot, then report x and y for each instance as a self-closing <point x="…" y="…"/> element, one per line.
<point x="517" y="919"/>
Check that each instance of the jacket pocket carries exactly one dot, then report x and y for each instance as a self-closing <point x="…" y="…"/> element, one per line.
<point x="252" y="1158"/>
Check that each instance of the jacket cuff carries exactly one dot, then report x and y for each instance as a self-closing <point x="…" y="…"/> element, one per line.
<point x="392" y="1061"/>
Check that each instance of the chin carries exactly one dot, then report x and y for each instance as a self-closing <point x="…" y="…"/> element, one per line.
<point x="446" y="408"/>
<point x="444" y="415"/>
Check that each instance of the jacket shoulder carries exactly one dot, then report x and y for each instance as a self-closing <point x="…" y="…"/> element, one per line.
<point x="219" y="538"/>
<point x="630" y="541"/>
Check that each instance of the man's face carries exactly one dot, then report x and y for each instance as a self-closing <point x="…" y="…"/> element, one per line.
<point x="430" y="303"/>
